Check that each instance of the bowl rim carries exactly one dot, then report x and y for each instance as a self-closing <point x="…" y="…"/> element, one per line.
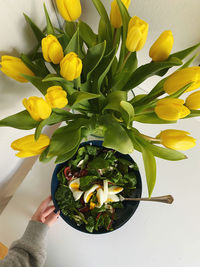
<point x="55" y="182"/>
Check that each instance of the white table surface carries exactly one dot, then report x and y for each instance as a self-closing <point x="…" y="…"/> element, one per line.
<point x="157" y="235"/>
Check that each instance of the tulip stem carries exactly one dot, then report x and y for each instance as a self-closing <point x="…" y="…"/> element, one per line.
<point x="114" y="37"/>
<point x="78" y="83"/>
<point x="125" y="60"/>
<point x="149" y="138"/>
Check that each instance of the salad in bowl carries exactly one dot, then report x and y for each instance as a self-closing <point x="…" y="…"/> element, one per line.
<point x="88" y="188"/>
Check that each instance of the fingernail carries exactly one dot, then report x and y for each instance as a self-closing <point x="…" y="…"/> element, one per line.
<point x="56" y="210"/>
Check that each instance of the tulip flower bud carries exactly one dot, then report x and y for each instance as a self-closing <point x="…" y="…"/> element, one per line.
<point x="56" y="97"/>
<point x="181" y="78"/>
<point x="52" y="49"/>
<point x="70" y="10"/>
<point x="162" y="47"/>
<point x="193" y="101"/>
<point x="176" y="139"/>
<point x="137" y="34"/>
<point x="13" y="67"/>
<point x="29" y="147"/>
<point x="37" y="107"/>
<point x="71" y="66"/>
<point x="115" y="15"/>
<point x="171" y="109"/>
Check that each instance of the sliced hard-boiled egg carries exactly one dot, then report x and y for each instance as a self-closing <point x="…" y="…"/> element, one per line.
<point x="89" y="193"/>
<point x="77" y="194"/>
<point x="105" y="189"/>
<point x="114" y="190"/>
<point x="74" y="187"/>
<point x="100" y="197"/>
<point x="74" y="184"/>
<point x="112" y="198"/>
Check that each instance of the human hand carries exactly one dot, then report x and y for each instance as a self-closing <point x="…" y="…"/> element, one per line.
<point x="45" y="213"/>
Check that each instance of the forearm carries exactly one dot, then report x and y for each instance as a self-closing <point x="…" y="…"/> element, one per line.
<point x="30" y="250"/>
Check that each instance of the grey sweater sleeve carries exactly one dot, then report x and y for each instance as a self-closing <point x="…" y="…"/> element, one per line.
<point x="30" y="249"/>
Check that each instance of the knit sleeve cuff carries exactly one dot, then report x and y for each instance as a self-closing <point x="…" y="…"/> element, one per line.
<point x="35" y="232"/>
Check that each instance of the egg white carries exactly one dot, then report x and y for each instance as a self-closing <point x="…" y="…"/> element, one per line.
<point x="88" y="194"/>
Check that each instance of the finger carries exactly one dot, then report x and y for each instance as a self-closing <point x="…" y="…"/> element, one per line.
<point x="48" y="210"/>
<point x="52" y="218"/>
<point x="45" y="203"/>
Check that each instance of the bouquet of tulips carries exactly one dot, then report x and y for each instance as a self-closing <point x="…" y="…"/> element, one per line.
<point x="91" y="74"/>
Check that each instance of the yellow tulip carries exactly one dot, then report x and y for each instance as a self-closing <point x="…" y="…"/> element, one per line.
<point x="71" y="66"/>
<point x="13" y="67"/>
<point x="52" y="49"/>
<point x="137" y="34"/>
<point x="180" y="78"/>
<point x="37" y="107"/>
<point x="193" y="101"/>
<point x="115" y="15"/>
<point x="70" y="10"/>
<point x="162" y="47"/>
<point x="171" y="109"/>
<point x="28" y="146"/>
<point x="176" y="139"/>
<point x="56" y="97"/>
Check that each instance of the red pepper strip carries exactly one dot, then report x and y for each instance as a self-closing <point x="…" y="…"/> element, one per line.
<point x="112" y="219"/>
<point x="98" y="215"/>
<point x="109" y="224"/>
<point x="67" y="173"/>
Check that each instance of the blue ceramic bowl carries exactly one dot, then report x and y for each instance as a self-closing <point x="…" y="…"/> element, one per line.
<point x="123" y="214"/>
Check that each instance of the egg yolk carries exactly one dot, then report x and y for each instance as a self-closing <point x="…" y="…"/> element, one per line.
<point x="74" y="186"/>
<point x="92" y="205"/>
<point x="117" y="189"/>
<point x="109" y="200"/>
<point x="88" y="197"/>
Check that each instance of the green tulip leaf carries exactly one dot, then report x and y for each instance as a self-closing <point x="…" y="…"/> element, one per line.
<point x="39" y="84"/>
<point x="125" y="20"/>
<point x="115" y="136"/>
<point x="122" y="77"/>
<point x="92" y="59"/>
<point x="21" y="120"/>
<point x="70" y="28"/>
<point x="78" y="97"/>
<point x="73" y="45"/>
<point x="50" y="28"/>
<point x="105" y="19"/>
<point x="37" y="68"/>
<point x="193" y="113"/>
<point x="37" y="32"/>
<point x="188" y="62"/>
<point x="184" y="53"/>
<point x="101" y="70"/>
<point x="114" y="99"/>
<point x="87" y="34"/>
<point x="148" y="70"/>
<point x="43" y="156"/>
<point x="66" y="138"/>
<point x="151" y="118"/>
<point x="53" y="119"/>
<point x="127" y="112"/>
<point x="68" y="155"/>
<point x="150" y="167"/>
<point x="180" y="91"/>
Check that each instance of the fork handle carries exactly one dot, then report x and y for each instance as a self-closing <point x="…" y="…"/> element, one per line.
<point x="168" y="199"/>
